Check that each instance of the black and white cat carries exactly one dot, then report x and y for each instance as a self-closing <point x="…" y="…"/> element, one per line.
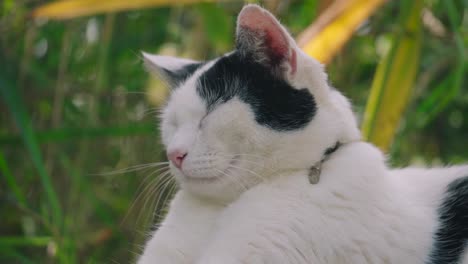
<point x="249" y="133"/>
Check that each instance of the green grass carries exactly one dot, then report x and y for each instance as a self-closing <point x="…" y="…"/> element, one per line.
<point x="15" y="105"/>
<point x="73" y="94"/>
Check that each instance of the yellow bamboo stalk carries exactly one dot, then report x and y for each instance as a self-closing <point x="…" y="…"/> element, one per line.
<point x="394" y="80"/>
<point x="76" y="8"/>
<point x="331" y="38"/>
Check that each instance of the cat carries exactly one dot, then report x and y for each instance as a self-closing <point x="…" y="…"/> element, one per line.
<point x="245" y="132"/>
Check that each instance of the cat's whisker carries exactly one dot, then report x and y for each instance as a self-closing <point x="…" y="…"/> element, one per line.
<point x="248" y="154"/>
<point x="170" y="194"/>
<point x="250" y="171"/>
<point x="158" y="204"/>
<point x="227" y="179"/>
<point x="255" y="159"/>
<point x="146" y="197"/>
<point x="260" y="178"/>
<point x="245" y="160"/>
<point x="233" y="179"/>
<point x="161" y="171"/>
<point x="134" y="202"/>
<point x="252" y="162"/>
<point x="161" y="186"/>
<point x="153" y="190"/>
<point x="152" y="111"/>
<point x="160" y="201"/>
<point x="145" y="181"/>
<point x="133" y="168"/>
<point x="242" y="155"/>
<point x="173" y="190"/>
<point x="238" y="159"/>
<point x="146" y="188"/>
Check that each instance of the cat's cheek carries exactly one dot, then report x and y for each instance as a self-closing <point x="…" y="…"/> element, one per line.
<point x="238" y="134"/>
<point x="233" y="142"/>
<point x="166" y="135"/>
<point x="240" y="138"/>
<point x="213" y="135"/>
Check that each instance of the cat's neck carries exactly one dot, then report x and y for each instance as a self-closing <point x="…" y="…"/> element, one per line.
<point x="312" y="168"/>
<point x="356" y="162"/>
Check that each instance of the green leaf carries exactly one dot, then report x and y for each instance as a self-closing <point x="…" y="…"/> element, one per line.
<point x="25" y="241"/>
<point x="217" y="25"/>
<point x="450" y="87"/>
<point x="16" y="107"/>
<point x="11" y="181"/>
<point x="437" y="100"/>
<point x="14" y="254"/>
<point x="73" y="133"/>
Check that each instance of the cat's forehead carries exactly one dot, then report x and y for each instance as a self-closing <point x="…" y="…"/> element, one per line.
<point x="185" y="102"/>
<point x="275" y="103"/>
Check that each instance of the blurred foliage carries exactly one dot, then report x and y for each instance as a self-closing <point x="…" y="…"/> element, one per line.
<point x="76" y="8"/>
<point x="335" y="26"/>
<point x="394" y="79"/>
<point x="76" y="104"/>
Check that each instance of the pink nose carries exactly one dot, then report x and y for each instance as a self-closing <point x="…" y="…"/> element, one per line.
<point x="177" y="157"/>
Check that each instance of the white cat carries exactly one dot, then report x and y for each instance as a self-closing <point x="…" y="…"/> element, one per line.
<point x="249" y="133"/>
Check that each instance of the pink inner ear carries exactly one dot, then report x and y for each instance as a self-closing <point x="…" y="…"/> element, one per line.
<point x="261" y="23"/>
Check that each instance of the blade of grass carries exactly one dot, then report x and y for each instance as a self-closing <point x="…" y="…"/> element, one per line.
<point x="440" y="96"/>
<point x="25" y="241"/>
<point x="82" y="191"/>
<point x="11" y="181"/>
<point x="15" y="105"/>
<point x="449" y="87"/>
<point x="76" y="8"/>
<point x="83" y="187"/>
<point x="64" y="134"/>
<point x="14" y="254"/>
<point x="334" y="28"/>
<point x="394" y="79"/>
<point x="460" y="70"/>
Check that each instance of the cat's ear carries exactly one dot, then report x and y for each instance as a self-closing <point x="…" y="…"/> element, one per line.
<point x="173" y="70"/>
<point x="261" y="37"/>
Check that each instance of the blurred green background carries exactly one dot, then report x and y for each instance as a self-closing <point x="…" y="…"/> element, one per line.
<point x="77" y="105"/>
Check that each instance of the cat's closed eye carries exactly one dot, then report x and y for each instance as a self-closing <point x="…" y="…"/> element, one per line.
<point x="173" y="122"/>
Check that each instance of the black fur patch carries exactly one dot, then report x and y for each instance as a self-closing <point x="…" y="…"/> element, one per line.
<point x="452" y="235"/>
<point x="177" y="77"/>
<point x="274" y="102"/>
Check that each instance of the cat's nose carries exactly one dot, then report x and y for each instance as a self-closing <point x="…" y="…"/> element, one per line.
<point x="177" y="157"/>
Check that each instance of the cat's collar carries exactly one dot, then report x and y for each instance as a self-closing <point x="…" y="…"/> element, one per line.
<point x="316" y="170"/>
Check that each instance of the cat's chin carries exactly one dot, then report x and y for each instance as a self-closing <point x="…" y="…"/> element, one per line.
<point x="214" y="175"/>
<point x="200" y="180"/>
<point x="221" y="184"/>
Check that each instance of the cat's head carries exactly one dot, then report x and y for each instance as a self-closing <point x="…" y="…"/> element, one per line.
<point x="263" y="109"/>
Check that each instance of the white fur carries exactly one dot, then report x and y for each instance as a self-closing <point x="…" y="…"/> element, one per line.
<point x="245" y="197"/>
<point x="170" y="63"/>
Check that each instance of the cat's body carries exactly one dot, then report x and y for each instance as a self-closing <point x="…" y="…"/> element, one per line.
<point x="389" y="218"/>
<point x="242" y="133"/>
